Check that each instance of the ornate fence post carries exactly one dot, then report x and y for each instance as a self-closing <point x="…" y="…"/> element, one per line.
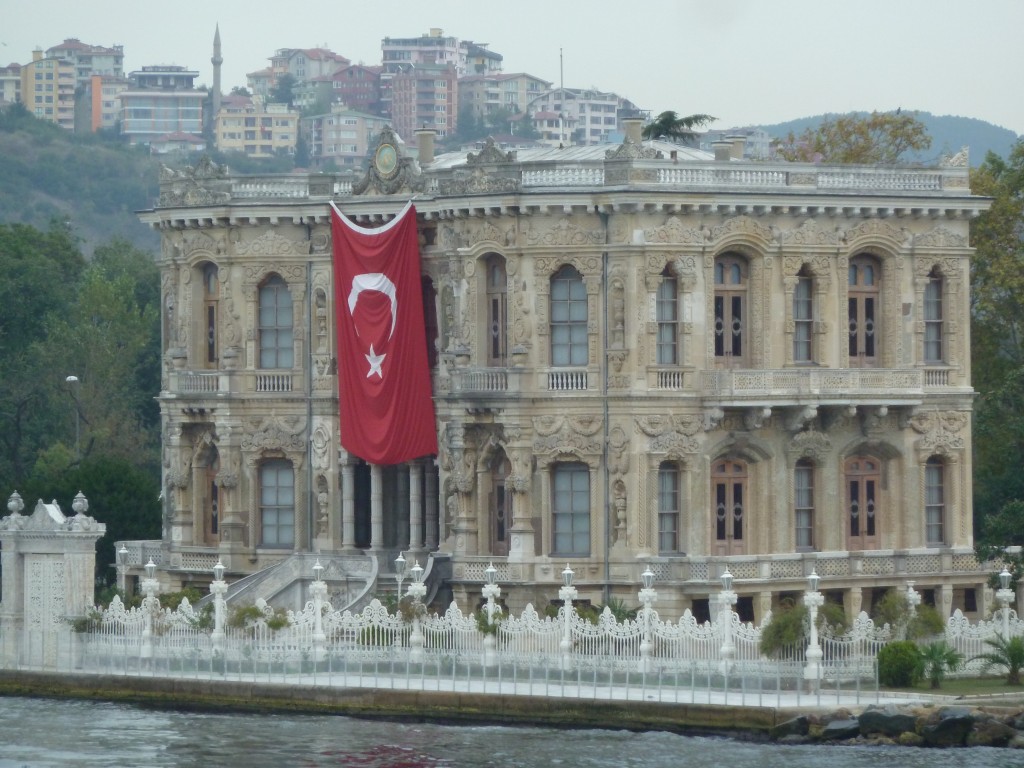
<point x="913" y="599"/>
<point x="491" y="592"/>
<point x="218" y="588"/>
<point x="728" y="599"/>
<point x="150" y="605"/>
<point x="318" y="591"/>
<point x="417" y="591"/>
<point x="813" y="599"/>
<point x="567" y="593"/>
<point x="1005" y="596"/>
<point x="647" y="596"/>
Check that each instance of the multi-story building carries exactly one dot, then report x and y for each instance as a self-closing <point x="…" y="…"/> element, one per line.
<point x="305" y="63"/>
<point x="424" y="96"/>
<point x="340" y="139"/>
<point x="433" y="49"/>
<point x="358" y="87"/>
<point x="260" y="82"/>
<point x="101" y="96"/>
<point x="10" y="84"/>
<point x="89" y="60"/>
<point x="248" y="125"/>
<point x="586" y="116"/>
<point x="642" y="355"/>
<point x="48" y="89"/>
<point x="162" y="99"/>
<point x="486" y="94"/>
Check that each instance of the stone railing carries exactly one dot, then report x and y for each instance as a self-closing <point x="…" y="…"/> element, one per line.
<point x="198" y="383"/>
<point x="837" y="382"/>
<point x="485" y="380"/>
<point x="566" y="380"/>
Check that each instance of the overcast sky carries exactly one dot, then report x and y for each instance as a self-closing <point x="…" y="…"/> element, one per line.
<point x="744" y="61"/>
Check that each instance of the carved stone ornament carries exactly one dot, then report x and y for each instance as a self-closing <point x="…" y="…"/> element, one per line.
<point x="941" y="430"/>
<point x="630" y="150"/>
<point x="564" y="232"/>
<point x="959" y="160"/>
<point x="810" y="444"/>
<point x="671" y="435"/>
<point x="390" y="172"/>
<point x="940" y="237"/>
<point x="810" y="233"/>
<point x="490" y="154"/>
<point x="321" y="444"/>
<point x="282" y="433"/>
<point x="743" y="225"/>
<point x="477" y="180"/>
<point x="205" y="184"/>
<point x="875" y="229"/>
<point x="270" y="243"/>
<point x="674" y="231"/>
<point x="572" y="435"/>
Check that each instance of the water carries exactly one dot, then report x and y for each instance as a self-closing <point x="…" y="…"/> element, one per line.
<point x="47" y="733"/>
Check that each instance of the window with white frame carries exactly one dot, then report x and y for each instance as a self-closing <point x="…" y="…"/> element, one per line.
<point x="570" y="510"/>
<point x="803" y="504"/>
<point x="667" y="314"/>
<point x="276" y="336"/>
<point x="934" y="501"/>
<point x="933" y="318"/>
<point x="277" y="504"/>
<point x="803" y="318"/>
<point x="569" y="344"/>
<point x="668" y="507"/>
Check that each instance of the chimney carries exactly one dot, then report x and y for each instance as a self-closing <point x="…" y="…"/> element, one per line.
<point x="739" y="141"/>
<point x="633" y="127"/>
<point x="425" y="145"/>
<point x="723" y="150"/>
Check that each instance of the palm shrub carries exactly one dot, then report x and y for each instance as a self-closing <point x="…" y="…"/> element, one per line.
<point x="938" y="658"/>
<point x="899" y="664"/>
<point x="1006" y="652"/>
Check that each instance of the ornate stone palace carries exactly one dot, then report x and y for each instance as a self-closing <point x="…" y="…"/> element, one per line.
<point x="642" y="355"/>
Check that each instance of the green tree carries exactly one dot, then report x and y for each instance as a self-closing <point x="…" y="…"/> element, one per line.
<point x="880" y="138"/>
<point x="1006" y="652"/>
<point x="282" y="92"/>
<point x="938" y="658"/>
<point x="671" y="127"/>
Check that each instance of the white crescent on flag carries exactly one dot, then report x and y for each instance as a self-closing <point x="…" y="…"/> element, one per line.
<point x="374" y="281"/>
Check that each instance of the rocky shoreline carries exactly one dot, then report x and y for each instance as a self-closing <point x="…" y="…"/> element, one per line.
<point x="909" y="726"/>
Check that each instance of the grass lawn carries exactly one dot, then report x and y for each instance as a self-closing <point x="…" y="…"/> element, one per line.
<point x="969" y="686"/>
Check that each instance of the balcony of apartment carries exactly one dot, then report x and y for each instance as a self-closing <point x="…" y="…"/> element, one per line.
<point x="220" y="384"/>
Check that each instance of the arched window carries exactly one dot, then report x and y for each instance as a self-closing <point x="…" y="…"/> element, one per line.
<point x="803" y="504"/>
<point x="669" y="500"/>
<point x="570" y="510"/>
<point x="568" y="319"/>
<point x="933" y="319"/>
<point x="277" y="504"/>
<point x="934" y="501"/>
<point x="863" y="483"/>
<point x="497" y="311"/>
<point x="803" y="318"/>
<point x="730" y="309"/>
<point x="277" y="345"/>
<point x="211" y="298"/>
<point x="863" y="299"/>
<point x="728" y="496"/>
<point x="667" y="312"/>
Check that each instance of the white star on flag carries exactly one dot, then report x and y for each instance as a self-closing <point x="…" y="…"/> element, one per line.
<point x="375" y="362"/>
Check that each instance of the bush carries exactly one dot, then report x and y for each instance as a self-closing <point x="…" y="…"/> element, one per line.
<point x="899" y="664"/>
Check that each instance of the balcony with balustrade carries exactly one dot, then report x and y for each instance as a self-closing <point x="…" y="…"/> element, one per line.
<point x="199" y="385"/>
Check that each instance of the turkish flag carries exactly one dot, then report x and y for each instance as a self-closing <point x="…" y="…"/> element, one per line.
<point x="386" y="406"/>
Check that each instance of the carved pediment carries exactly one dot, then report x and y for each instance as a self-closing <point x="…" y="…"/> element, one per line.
<point x="270" y="243"/>
<point x="674" y="231"/>
<point x="282" y="433"/>
<point x="810" y="233"/>
<point x="940" y="237"/>
<point x="631" y="150"/>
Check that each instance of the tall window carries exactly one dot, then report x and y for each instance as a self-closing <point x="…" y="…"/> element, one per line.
<point x="277" y="348"/>
<point x="211" y="296"/>
<point x="933" y="319"/>
<point x="863" y="481"/>
<point x="728" y="493"/>
<point x="568" y="318"/>
<point x="803" y="503"/>
<point x="730" y="310"/>
<point x="668" y="507"/>
<point x="803" y="318"/>
<point x="934" y="501"/>
<point x="571" y="510"/>
<point x="277" y="503"/>
<point x="667" y="312"/>
<point x="500" y="505"/>
<point x="862" y="298"/>
<point x="497" y="311"/>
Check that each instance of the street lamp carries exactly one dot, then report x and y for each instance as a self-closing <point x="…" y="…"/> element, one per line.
<point x="218" y="588"/>
<point x="567" y="593"/>
<point x="647" y="596"/>
<point x="78" y="410"/>
<point x="813" y="599"/>
<point x="150" y="605"/>
<point x="417" y="591"/>
<point x="122" y="567"/>
<point x="318" y="591"/>
<point x="913" y="598"/>
<point x="399" y="573"/>
<point x="491" y="591"/>
<point x="1005" y="596"/>
<point x="728" y="599"/>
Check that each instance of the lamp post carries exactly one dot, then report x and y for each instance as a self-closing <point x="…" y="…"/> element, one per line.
<point x="567" y="593"/>
<point x="913" y="599"/>
<point x="318" y="591"/>
<point x="728" y="599"/>
<point x="1005" y="596"/>
<point x="491" y="592"/>
<point x="647" y="597"/>
<point x="813" y="599"/>
<point x="122" y="567"/>
<point x="78" y="432"/>
<point x="417" y="591"/>
<point x="150" y="605"/>
<point x="218" y="588"/>
<point x="399" y="573"/>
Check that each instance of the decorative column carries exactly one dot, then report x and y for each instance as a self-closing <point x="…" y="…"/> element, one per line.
<point x="491" y="592"/>
<point x="415" y="507"/>
<point x="728" y="599"/>
<point x="348" y="505"/>
<point x="417" y="591"/>
<point x="521" y="535"/>
<point x="647" y="596"/>
<point x="376" y="507"/>
<point x="1005" y="596"/>
<point x="567" y="593"/>
<point x="150" y="605"/>
<point x="813" y="599"/>
<point x="218" y="588"/>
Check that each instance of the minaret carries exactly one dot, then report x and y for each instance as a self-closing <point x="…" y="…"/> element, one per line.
<point x="217" y="60"/>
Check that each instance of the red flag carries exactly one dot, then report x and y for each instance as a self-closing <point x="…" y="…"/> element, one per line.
<point x="386" y="406"/>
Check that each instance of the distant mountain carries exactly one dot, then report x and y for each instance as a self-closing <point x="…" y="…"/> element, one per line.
<point x="949" y="133"/>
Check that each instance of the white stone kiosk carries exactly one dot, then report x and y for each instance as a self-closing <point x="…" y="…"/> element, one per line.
<point x="49" y="564"/>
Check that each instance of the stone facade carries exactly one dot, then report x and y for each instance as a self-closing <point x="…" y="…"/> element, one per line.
<point x="640" y="357"/>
